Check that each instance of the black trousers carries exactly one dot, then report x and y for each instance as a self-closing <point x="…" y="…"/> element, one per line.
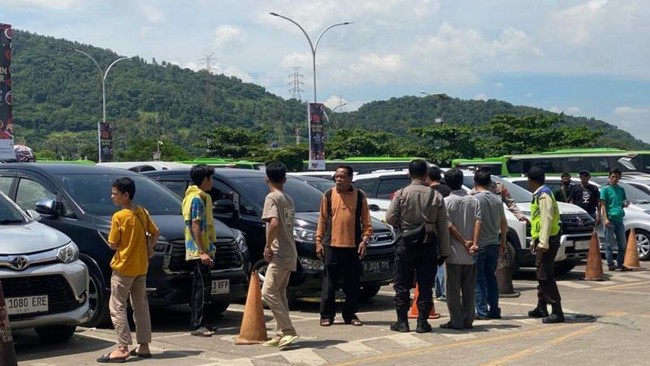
<point x="547" y="291"/>
<point x="415" y="262"/>
<point x="340" y="264"/>
<point x="201" y="288"/>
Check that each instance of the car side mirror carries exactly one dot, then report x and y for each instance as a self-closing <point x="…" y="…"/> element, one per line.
<point x="373" y="207"/>
<point x="224" y="207"/>
<point x="46" y="207"/>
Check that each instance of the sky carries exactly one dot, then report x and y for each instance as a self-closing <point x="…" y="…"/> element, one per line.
<point x="582" y="57"/>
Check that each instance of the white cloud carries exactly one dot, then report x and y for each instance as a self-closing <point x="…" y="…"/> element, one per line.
<point x="572" y="110"/>
<point x="226" y="35"/>
<point x="151" y="11"/>
<point x="46" y="4"/>
<point x="626" y="111"/>
<point x="481" y="97"/>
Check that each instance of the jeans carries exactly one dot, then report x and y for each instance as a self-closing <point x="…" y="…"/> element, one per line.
<point x="440" y="281"/>
<point x="487" y="290"/>
<point x="616" y="228"/>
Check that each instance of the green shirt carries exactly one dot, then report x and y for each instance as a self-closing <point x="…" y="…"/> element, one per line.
<point x="613" y="197"/>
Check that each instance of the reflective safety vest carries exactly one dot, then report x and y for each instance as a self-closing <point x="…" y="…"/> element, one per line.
<point x="535" y="218"/>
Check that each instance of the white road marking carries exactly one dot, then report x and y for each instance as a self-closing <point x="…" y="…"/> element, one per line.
<point x="408" y="340"/>
<point x="572" y="284"/>
<point x="305" y="356"/>
<point x="356" y="348"/>
<point x="624" y="278"/>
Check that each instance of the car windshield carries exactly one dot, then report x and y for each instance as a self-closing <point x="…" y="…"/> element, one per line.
<point x="305" y="197"/>
<point x="92" y="192"/>
<point x="321" y="185"/>
<point x="519" y="194"/>
<point x="9" y="214"/>
<point x="634" y="194"/>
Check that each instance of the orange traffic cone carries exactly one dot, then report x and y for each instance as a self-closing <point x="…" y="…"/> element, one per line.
<point x="7" y="350"/>
<point x="413" y="313"/>
<point x="253" y="326"/>
<point x="631" y="252"/>
<point x="594" y="269"/>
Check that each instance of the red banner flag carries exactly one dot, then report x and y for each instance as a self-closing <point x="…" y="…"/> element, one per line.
<point x="6" y="118"/>
<point x="317" y="119"/>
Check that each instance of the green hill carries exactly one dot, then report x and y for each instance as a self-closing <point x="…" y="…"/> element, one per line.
<point x="58" y="102"/>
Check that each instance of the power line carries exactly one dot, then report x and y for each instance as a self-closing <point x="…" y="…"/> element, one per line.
<point x="295" y="83"/>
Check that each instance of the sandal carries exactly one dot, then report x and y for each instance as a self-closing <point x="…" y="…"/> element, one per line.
<point x="108" y="359"/>
<point x="134" y="352"/>
<point x="202" y="332"/>
<point x="354" y="321"/>
<point x="325" y="322"/>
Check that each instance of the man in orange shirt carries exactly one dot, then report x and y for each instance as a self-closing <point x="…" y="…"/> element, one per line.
<point x="344" y="229"/>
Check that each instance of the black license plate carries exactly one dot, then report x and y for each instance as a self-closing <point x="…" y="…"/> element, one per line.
<point x="376" y="266"/>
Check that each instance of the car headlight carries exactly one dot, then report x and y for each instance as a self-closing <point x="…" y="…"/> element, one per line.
<point x="304" y="235"/>
<point x="68" y="253"/>
<point x="240" y="239"/>
<point x="312" y="264"/>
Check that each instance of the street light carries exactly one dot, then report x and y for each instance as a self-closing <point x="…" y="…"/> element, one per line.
<point x="312" y="46"/>
<point x="337" y="107"/>
<point x="102" y="75"/>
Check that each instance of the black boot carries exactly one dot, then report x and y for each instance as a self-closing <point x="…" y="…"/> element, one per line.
<point x="540" y="310"/>
<point x="402" y="323"/>
<point x="557" y="316"/>
<point x="423" y="326"/>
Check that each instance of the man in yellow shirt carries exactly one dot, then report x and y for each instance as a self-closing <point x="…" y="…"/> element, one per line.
<point x="130" y="228"/>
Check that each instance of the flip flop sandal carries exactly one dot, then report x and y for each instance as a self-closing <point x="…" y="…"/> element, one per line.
<point x="354" y="321"/>
<point x="326" y="322"/>
<point x="108" y="359"/>
<point x="134" y="352"/>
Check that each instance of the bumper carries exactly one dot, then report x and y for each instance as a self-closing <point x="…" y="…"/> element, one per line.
<point x="573" y="247"/>
<point x="170" y="289"/>
<point x="68" y="309"/>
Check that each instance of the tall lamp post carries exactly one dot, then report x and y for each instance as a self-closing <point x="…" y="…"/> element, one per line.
<point x="337" y="107"/>
<point x="102" y="75"/>
<point x="312" y="46"/>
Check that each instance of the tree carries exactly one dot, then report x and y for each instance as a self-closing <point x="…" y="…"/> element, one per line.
<point x="235" y="142"/>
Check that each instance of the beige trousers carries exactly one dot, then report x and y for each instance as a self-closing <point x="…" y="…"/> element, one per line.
<point x="121" y="288"/>
<point x="274" y="294"/>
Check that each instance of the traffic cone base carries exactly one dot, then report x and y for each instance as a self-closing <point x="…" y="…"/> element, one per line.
<point x="631" y="252"/>
<point x="594" y="268"/>
<point x="413" y="312"/>
<point x="253" y="326"/>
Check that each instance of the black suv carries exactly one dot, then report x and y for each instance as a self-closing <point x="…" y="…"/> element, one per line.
<point x="75" y="199"/>
<point x="238" y="196"/>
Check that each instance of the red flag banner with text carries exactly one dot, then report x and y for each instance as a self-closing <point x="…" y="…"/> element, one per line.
<point x="105" y="142"/>
<point x="317" y="119"/>
<point x="6" y="118"/>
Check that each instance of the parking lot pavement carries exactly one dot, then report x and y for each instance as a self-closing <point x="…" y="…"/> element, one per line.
<point x="618" y="310"/>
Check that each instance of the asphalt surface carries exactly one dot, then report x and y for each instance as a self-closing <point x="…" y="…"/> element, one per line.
<point x="608" y="323"/>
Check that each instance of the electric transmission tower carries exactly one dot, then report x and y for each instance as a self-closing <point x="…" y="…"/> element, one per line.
<point x="296" y="83"/>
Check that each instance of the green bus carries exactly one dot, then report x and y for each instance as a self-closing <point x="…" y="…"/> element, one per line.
<point x="597" y="161"/>
<point x="362" y="164"/>
<point x="226" y="163"/>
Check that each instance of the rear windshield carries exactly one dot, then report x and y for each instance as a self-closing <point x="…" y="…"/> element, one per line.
<point x="519" y="194"/>
<point x="92" y="192"/>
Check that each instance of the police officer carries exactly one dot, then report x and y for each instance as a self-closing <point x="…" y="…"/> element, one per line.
<point x="413" y="207"/>
<point x="545" y="233"/>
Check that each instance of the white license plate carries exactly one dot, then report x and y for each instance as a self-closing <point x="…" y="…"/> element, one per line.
<point x="376" y="266"/>
<point x="581" y="244"/>
<point x="220" y="287"/>
<point x="26" y="304"/>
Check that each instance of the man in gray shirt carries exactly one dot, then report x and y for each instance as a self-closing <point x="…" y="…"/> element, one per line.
<point x="493" y="222"/>
<point x="464" y="216"/>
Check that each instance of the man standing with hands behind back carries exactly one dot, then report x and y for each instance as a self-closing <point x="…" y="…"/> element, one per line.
<point x="199" y="244"/>
<point x="344" y="229"/>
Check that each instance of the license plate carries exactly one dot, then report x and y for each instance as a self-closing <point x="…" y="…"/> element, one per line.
<point x="26" y="304"/>
<point x="581" y="244"/>
<point x="220" y="287"/>
<point x="376" y="266"/>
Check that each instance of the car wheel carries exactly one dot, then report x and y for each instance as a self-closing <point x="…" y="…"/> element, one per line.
<point x="218" y="307"/>
<point x="97" y="301"/>
<point x="55" y="333"/>
<point x="563" y="268"/>
<point x="368" y="292"/>
<point x="643" y="244"/>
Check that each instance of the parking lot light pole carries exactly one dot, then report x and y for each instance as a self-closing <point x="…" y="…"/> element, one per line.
<point x="312" y="46"/>
<point x="102" y="75"/>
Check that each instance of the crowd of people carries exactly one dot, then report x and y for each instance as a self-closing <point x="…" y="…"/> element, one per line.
<point x="448" y="238"/>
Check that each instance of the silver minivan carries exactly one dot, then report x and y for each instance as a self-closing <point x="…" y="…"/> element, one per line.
<point x="43" y="281"/>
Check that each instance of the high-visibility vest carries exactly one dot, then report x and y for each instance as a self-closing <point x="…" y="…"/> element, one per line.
<point x="535" y="218"/>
